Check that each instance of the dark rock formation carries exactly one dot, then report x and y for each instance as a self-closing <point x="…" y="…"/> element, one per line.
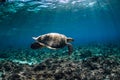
<point x="94" y="68"/>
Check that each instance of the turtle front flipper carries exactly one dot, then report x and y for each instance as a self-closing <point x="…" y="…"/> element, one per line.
<point x="70" y="48"/>
<point x="51" y="47"/>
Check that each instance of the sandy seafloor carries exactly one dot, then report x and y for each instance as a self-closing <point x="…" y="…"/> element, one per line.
<point x="90" y="62"/>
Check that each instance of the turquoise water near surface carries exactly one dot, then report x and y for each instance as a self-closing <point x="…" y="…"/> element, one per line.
<point x="86" y="21"/>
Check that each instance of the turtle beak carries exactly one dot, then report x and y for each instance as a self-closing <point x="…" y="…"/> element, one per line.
<point x="70" y="39"/>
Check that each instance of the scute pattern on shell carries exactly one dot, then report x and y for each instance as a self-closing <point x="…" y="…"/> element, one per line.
<point x="54" y="40"/>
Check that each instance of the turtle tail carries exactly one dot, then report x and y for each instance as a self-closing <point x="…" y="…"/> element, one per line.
<point x="35" y="38"/>
<point x="70" y="48"/>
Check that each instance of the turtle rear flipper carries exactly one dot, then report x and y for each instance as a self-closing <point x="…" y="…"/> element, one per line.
<point x="70" y="48"/>
<point x="36" y="45"/>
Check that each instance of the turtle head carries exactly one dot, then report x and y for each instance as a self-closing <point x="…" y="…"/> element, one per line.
<point x="69" y="39"/>
<point x="36" y="45"/>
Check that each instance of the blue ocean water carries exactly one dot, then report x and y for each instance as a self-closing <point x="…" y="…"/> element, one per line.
<point x="93" y="24"/>
<point x="86" y="21"/>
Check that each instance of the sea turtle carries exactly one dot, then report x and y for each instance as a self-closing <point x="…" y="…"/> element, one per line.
<point x="52" y="41"/>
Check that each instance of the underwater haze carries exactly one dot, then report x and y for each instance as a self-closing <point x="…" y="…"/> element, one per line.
<point x="87" y="21"/>
<point x="93" y="55"/>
